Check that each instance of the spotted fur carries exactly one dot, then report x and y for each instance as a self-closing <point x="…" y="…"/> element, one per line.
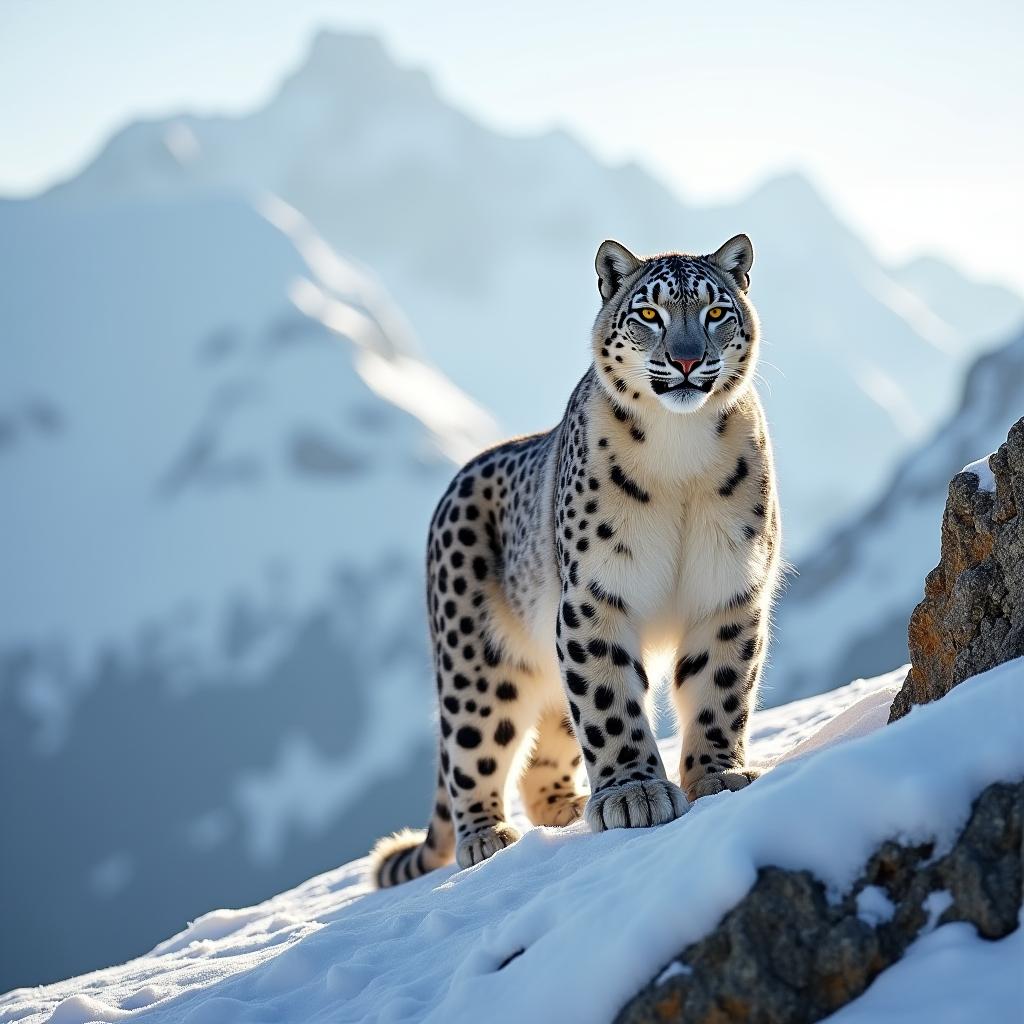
<point x="560" y="566"/>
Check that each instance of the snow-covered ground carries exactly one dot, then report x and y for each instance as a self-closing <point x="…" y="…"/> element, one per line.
<point x="566" y="925"/>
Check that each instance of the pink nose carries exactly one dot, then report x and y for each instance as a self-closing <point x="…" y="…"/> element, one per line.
<point x="686" y="365"/>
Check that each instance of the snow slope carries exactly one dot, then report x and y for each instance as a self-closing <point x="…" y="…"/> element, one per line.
<point x="846" y="612"/>
<point x="219" y="453"/>
<point x="566" y="925"/>
<point x="488" y="243"/>
<point x="207" y="414"/>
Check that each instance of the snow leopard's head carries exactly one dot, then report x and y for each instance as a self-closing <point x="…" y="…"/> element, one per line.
<point x="676" y="327"/>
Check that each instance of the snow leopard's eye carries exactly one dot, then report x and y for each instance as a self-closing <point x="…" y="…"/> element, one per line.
<point x="716" y="314"/>
<point x="649" y="314"/>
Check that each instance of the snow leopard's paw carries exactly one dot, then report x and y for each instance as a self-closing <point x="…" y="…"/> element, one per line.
<point x="635" y="805"/>
<point x="559" y="812"/>
<point x="472" y="849"/>
<point x="734" y="779"/>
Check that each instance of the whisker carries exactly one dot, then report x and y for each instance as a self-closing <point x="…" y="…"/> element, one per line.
<point x="765" y="362"/>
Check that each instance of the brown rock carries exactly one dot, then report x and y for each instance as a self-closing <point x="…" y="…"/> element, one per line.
<point x="972" y="615"/>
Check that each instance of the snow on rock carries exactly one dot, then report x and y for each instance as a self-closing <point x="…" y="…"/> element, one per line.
<point x="935" y="905"/>
<point x="874" y="905"/>
<point x="983" y="471"/>
<point x="566" y="925"/>
<point x="950" y="976"/>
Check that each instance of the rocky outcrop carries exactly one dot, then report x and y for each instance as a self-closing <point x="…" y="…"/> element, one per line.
<point x="972" y="615"/>
<point x="786" y="955"/>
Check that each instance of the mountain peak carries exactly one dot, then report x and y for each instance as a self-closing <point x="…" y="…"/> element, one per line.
<point x="791" y="187"/>
<point x="331" y="46"/>
<point x="336" y="61"/>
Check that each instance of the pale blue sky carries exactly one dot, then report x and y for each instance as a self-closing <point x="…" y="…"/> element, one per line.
<point x="907" y="115"/>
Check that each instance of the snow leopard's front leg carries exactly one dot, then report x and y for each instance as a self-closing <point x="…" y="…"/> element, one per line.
<point x="607" y="686"/>
<point x="714" y="690"/>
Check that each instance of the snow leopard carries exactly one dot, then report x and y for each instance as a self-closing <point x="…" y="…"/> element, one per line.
<point x="637" y="539"/>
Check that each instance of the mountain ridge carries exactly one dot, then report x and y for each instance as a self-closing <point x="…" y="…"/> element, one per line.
<point x="867" y="573"/>
<point x="469" y="228"/>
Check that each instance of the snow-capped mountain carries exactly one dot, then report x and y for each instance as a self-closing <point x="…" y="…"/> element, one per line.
<point x="845" y="614"/>
<point x="488" y="241"/>
<point x="218" y="455"/>
<point x="565" y="925"/>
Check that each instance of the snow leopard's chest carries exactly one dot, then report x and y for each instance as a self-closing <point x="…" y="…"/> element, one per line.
<point x="686" y="559"/>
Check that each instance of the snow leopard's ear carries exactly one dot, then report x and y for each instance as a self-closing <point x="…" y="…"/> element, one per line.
<point x="613" y="262"/>
<point x="736" y="258"/>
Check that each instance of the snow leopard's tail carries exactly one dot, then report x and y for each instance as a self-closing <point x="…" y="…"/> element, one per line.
<point x="413" y="852"/>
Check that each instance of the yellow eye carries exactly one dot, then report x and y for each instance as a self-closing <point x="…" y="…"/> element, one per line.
<point x="648" y="314"/>
<point x="716" y="313"/>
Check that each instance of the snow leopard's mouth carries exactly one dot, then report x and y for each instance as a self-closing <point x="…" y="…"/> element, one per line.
<point x="663" y="387"/>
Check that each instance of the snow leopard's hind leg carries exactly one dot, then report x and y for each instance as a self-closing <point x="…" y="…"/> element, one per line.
<point x="486" y="723"/>
<point x="413" y="852"/>
<point x="489" y="705"/>
<point x="550" y="785"/>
